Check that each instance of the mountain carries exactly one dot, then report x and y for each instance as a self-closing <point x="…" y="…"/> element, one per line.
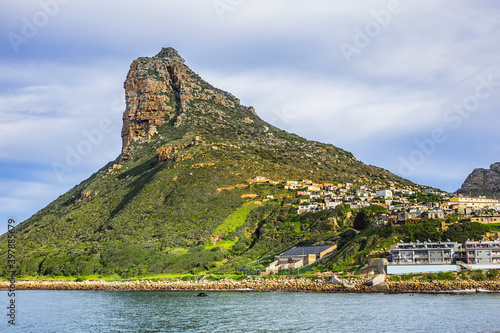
<point x="483" y="182"/>
<point x="180" y="196"/>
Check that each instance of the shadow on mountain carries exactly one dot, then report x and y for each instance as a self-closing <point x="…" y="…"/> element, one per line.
<point x="147" y="171"/>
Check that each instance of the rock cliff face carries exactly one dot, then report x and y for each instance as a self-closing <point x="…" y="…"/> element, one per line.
<point x="157" y="91"/>
<point x="482" y="182"/>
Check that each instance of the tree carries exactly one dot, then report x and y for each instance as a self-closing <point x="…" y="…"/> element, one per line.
<point x="460" y="232"/>
<point x="362" y="220"/>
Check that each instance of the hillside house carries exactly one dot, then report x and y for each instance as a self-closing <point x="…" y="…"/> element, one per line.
<point x="404" y="192"/>
<point x="300" y="256"/>
<point x="307" y="208"/>
<point x="359" y="205"/>
<point x="434" y="214"/>
<point x="313" y="188"/>
<point x="384" y="193"/>
<point x="411" y="214"/>
<point x="260" y="179"/>
<point x="382" y="219"/>
<point x="332" y="204"/>
<point x="485" y="219"/>
<point x="348" y="198"/>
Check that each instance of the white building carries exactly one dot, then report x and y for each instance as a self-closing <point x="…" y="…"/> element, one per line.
<point x="384" y="193"/>
<point x="332" y="204"/>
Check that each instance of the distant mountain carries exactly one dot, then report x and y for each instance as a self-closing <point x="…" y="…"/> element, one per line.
<point x="483" y="182"/>
<point x="177" y="198"/>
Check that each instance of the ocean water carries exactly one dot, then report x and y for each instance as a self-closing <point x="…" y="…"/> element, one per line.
<point x="130" y="311"/>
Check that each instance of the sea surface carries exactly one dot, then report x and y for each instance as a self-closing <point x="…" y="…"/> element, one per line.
<point x="134" y="311"/>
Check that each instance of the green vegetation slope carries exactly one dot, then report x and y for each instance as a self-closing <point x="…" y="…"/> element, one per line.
<point x="178" y="199"/>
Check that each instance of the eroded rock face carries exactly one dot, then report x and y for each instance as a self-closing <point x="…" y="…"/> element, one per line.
<point x="159" y="90"/>
<point x="152" y="88"/>
<point x="173" y="153"/>
<point x="165" y="152"/>
<point x="482" y="181"/>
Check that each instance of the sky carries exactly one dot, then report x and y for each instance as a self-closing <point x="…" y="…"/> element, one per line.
<point x="410" y="86"/>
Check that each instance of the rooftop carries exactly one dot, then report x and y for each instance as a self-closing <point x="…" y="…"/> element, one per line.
<point x="302" y="251"/>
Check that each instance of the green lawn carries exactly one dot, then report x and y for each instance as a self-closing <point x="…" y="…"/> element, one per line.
<point x="234" y="220"/>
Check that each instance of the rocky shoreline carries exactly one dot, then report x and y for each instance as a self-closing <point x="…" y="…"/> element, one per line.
<point x="289" y="284"/>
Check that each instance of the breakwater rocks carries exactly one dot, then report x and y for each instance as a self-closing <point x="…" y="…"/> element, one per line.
<point x="444" y="286"/>
<point x="258" y="284"/>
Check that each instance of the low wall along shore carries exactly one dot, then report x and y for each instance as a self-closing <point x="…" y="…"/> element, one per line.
<point x="278" y="284"/>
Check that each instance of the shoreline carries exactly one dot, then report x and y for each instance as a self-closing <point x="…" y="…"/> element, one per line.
<point x="288" y="284"/>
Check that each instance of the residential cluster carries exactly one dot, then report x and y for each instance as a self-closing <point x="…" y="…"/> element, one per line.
<point x="402" y="204"/>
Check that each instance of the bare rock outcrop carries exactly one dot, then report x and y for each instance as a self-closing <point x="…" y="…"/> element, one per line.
<point x="159" y="90"/>
<point x="482" y="182"/>
<point x="335" y="280"/>
<point x="376" y="280"/>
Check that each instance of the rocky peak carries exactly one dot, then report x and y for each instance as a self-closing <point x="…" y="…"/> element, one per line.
<point x="495" y="167"/>
<point x="170" y="54"/>
<point x="159" y="90"/>
<point x="482" y="181"/>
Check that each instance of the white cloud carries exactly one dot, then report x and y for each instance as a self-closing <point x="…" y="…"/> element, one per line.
<point x="38" y="121"/>
<point x="347" y="110"/>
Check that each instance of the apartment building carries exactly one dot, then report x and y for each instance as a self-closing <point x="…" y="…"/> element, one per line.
<point x="482" y="252"/>
<point x="424" y="253"/>
<point x="476" y="203"/>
